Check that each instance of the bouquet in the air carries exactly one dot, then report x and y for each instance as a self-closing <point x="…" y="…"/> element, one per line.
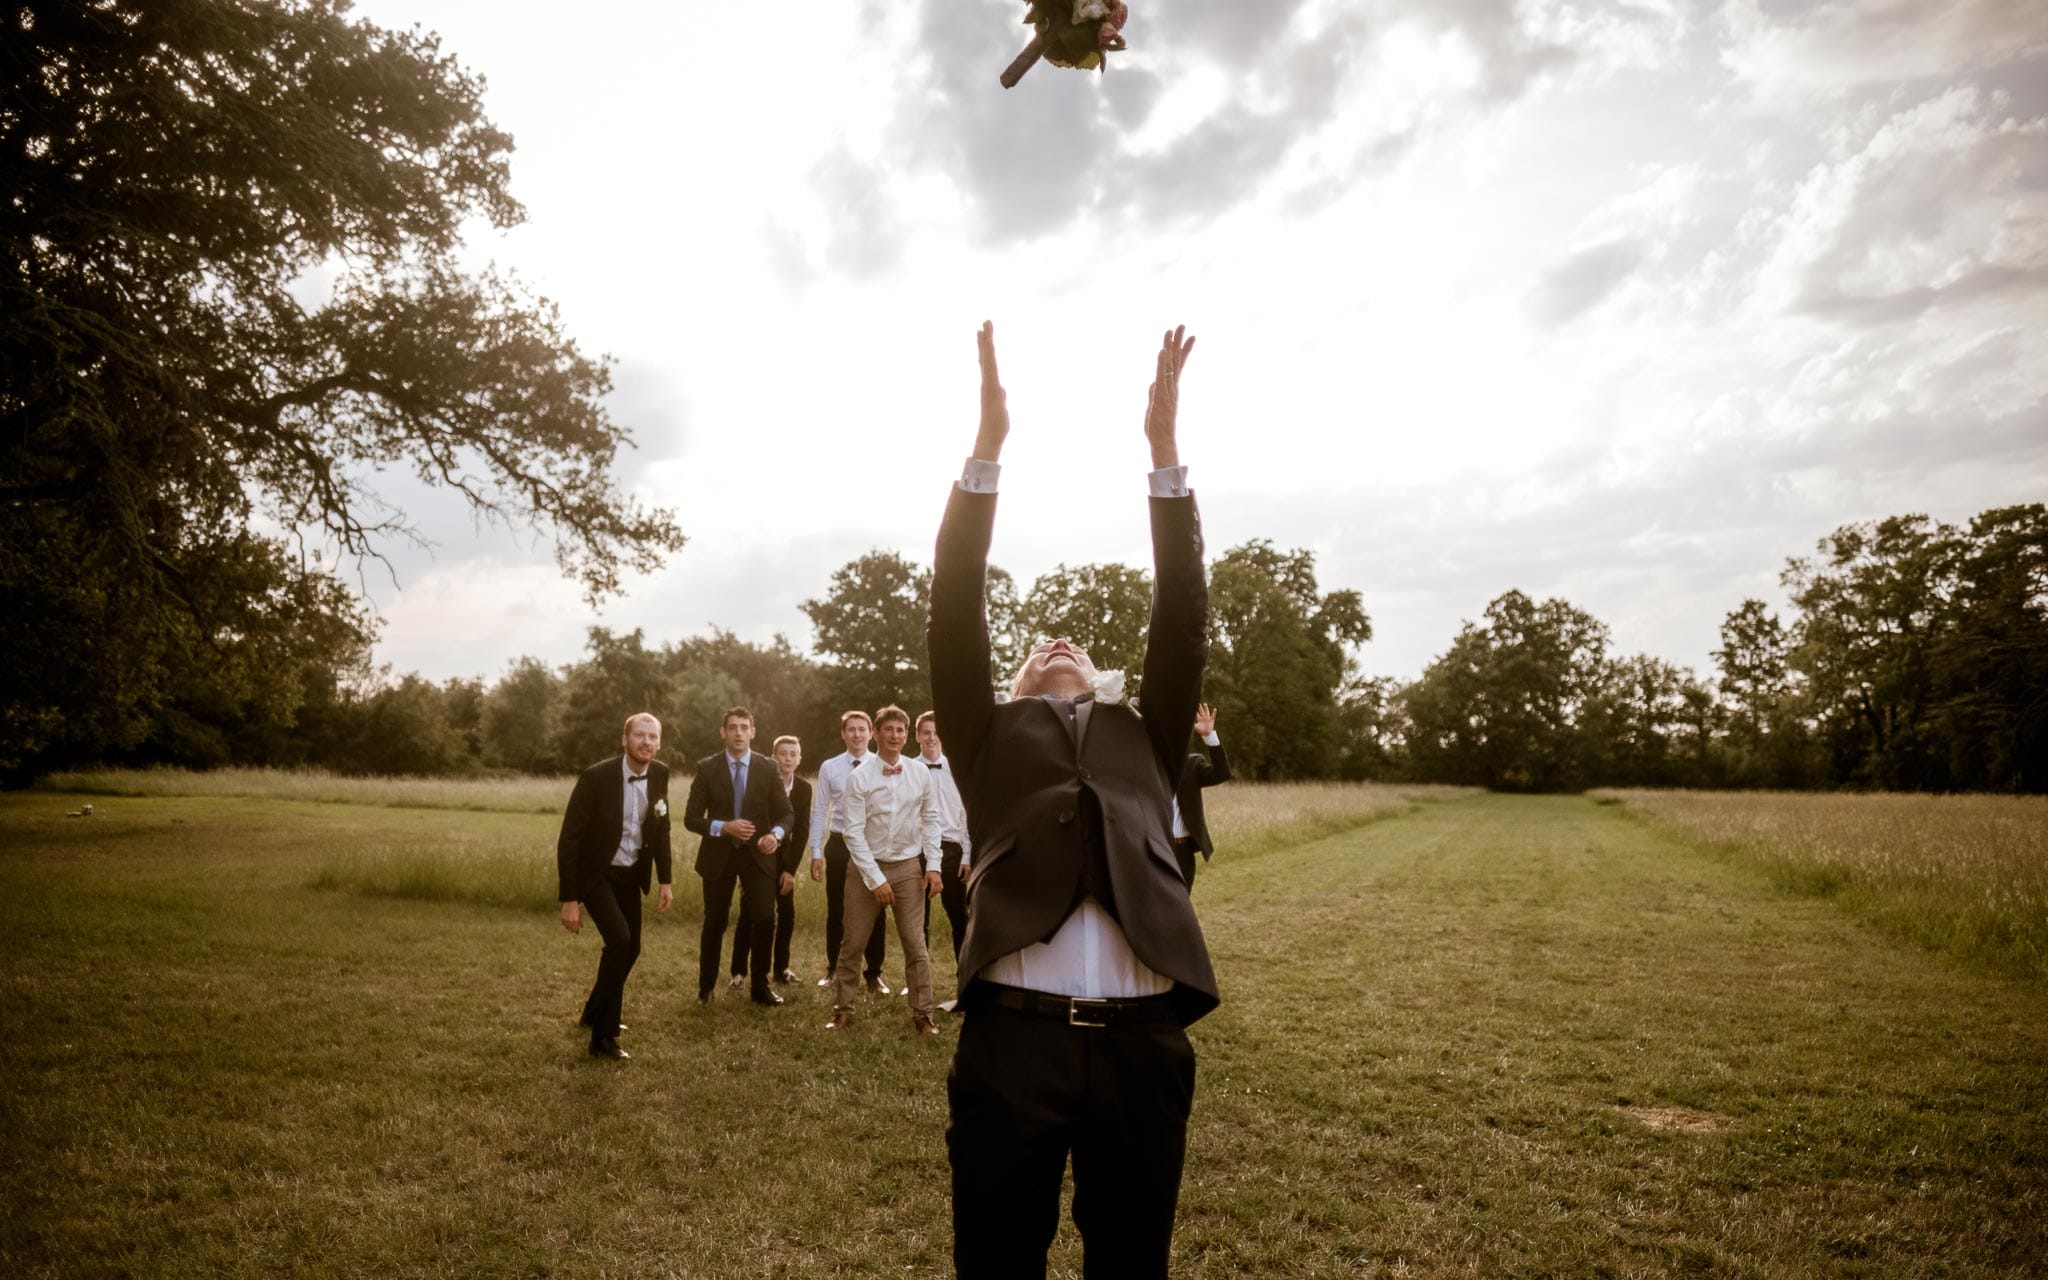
<point x="1070" y="33"/>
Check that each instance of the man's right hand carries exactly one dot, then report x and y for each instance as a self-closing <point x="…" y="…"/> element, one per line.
<point x="884" y="894"/>
<point x="572" y="917"/>
<point x="818" y="869"/>
<point x="995" y="405"/>
<point x="738" y="828"/>
<point x="1162" y="401"/>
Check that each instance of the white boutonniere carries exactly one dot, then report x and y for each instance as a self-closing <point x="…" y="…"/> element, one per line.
<point x="1109" y="686"/>
<point x="661" y="808"/>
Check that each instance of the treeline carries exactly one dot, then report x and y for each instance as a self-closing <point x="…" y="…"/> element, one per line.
<point x="1914" y="657"/>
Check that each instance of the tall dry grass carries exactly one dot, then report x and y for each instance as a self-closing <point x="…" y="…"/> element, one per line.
<point x="513" y="794"/>
<point x="1964" y="874"/>
<point x="1252" y="818"/>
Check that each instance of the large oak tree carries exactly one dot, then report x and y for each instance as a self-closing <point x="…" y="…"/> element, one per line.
<point x="230" y="297"/>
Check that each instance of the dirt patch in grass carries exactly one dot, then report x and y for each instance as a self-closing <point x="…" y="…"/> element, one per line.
<point x="1673" y="1119"/>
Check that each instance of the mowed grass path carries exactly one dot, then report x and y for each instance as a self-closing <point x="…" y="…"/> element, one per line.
<point x="1493" y="1036"/>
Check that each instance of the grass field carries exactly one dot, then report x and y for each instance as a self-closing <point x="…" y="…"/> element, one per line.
<point x="1462" y="1035"/>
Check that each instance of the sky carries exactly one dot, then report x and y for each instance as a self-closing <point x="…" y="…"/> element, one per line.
<point x="1619" y="302"/>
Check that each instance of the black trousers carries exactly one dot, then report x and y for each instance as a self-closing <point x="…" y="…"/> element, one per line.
<point x="612" y="901"/>
<point x="1025" y="1092"/>
<point x="785" y="929"/>
<point x="755" y="875"/>
<point x="1189" y="855"/>
<point x="837" y="855"/>
<point x="952" y="895"/>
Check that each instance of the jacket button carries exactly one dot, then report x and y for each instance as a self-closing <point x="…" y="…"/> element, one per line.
<point x="1087" y="775"/>
<point x="1067" y="816"/>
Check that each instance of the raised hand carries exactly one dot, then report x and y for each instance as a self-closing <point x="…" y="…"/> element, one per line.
<point x="995" y="406"/>
<point x="1162" y="400"/>
<point x="1205" y="720"/>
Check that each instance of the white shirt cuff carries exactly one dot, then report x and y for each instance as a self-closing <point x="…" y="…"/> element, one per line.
<point x="1212" y="739"/>
<point x="1169" y="482"/>
<point x="980" y="475"/>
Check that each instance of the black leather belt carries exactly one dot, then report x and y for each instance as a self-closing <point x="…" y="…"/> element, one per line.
<point x="1081" y="1011"/>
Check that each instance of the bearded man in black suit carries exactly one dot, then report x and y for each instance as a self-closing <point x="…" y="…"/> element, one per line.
<point x="614" y="841"/>
<point x="738" y="805"/>
<point x="1083" y="961"/>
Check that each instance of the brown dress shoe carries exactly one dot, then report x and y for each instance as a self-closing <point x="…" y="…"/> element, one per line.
<point x="840" y="1021"/>
<point x="924" y="1026"/>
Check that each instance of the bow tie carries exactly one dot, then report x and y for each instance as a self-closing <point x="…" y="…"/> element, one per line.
<point x="632" y="778"/>
<point x="934" y="764"/>
<point x="891" y="770"/>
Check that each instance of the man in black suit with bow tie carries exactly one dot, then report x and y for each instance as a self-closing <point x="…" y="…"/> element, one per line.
<point x="738" y="805"/>
<point x="614" y="841"/>
<point x="1083" y="961"/>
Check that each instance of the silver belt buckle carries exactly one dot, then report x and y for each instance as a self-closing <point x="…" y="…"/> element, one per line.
<point x="1074" y="1018"/>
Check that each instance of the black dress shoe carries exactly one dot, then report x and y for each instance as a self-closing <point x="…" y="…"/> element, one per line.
<point x="608" y="1048"/>
<point x="704" y="996"/>
<point x="767" y="999"/>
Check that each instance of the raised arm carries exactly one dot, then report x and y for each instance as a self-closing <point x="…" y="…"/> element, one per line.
<point x="1177" y="643"/>
<point x="956" y="632"/>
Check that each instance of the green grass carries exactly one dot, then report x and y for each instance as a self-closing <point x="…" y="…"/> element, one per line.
<point x="1463" y="1039"/>
<point x="1967" y="875"/>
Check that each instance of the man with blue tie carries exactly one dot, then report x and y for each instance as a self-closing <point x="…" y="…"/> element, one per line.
<point x="739" y="808"/>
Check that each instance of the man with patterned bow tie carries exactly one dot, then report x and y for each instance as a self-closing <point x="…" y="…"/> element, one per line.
<point x="1083" y="961"/>
<point x="614" y="843"/>
<point x="892" y="835"/>
<point x="738" y="805"/>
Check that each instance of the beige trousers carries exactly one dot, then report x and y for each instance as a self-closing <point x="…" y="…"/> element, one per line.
<point x="863" y="915"/>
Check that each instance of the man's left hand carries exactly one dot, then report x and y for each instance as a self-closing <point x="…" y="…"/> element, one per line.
<point x="788" y="884"/>
<point x="768" y="843"/>
<point x="662" y="898"/>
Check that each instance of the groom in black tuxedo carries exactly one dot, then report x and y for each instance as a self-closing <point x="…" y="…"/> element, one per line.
<point x="738" y="805"/>
<point x="614" y="841"/>
<point x="1083" y="960"/>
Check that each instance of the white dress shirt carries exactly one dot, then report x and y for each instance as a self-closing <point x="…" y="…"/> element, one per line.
<point x="892" y="815"/>
<point x="632" y="814"/>
<point x="828" y="807"/>
<point x="1088" y="956"/>
<point x="952" y="810"/>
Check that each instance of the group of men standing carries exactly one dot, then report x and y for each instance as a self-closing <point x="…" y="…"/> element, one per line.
<point x="1080" y="958"/>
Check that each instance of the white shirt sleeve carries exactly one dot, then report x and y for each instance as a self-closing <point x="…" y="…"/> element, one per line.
<point x="1167" y="482"/>
<point x="1212" y="738"/>
<point x="821" y="814"/>
<point x="980" y="475"/>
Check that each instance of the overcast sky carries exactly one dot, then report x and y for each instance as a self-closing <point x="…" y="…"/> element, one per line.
<point x="1624" y="302"/>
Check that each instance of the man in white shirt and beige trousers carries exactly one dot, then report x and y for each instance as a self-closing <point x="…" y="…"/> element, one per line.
<point x="1083" y="962"/>
<point x="892" y="833"/>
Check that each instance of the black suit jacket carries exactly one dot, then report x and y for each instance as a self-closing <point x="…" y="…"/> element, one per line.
<point x="1196" y="773"/>
<point x="790" y="856"/>
<point x="592" y="822"/>
<point x="1022" y="773"/>
<point x="710" y="800"/>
